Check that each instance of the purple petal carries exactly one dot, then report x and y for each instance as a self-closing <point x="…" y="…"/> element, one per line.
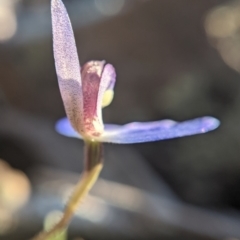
<point x="146" y="132"/>
<point x="159" y="130"/>
<point x="67" y="63"/>
<point x="107" y="82"/>
<point x="108" y="77"/>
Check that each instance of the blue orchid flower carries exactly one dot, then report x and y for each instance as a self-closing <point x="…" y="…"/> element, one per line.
<point x="85" y="91"/>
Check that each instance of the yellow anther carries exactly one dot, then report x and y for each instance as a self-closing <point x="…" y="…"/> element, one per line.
<point x="107" y="98"/>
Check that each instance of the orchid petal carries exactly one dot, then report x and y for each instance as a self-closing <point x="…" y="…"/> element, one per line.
<point x="96" y="80"/>
<point x="91" y="79"/>
<point x="67" y="63"/>
<point x="106" y="93"/>
<point x="138" y="132"/>
<point x="108" y="77"/>
<point x="64" y="127"/>
<point x="158" y="130"/>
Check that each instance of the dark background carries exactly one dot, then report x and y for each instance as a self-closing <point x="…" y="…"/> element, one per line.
<point x="171" y="62"/>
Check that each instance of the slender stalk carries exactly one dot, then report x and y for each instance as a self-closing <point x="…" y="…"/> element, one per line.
<point x="93" y="165"/>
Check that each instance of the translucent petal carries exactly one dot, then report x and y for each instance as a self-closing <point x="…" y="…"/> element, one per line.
<point x="67" y="63"/>
<point x="106" y="93"/>
<point x="158" y="130"/>
<point x="107" y="82"/>
<point x="146" y="132"/>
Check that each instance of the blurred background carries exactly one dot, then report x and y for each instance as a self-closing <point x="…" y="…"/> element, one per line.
<point x="175" y="59"/>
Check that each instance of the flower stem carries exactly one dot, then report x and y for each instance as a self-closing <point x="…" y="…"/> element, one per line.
<point x="92" y="168"/>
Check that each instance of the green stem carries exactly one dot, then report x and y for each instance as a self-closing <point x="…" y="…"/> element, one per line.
<point x="93" y="167"/>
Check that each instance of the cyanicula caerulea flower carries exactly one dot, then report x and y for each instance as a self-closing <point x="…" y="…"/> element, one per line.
<point x="85" y="91"/>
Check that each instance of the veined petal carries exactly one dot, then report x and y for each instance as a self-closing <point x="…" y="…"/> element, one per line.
<point x="67" y="64"/>
<point x="96" y="80"/>
<point x="92" y="117"/>
<point x="158" y="130"/>
<point x="138" y="132"/>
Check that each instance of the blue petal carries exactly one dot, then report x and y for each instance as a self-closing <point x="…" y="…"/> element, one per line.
<point x="64" y="127"/>
<point x="137" y="132"/>
<point x="158" y="130"/>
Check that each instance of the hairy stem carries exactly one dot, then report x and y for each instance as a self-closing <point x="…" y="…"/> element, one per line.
<point x="93" y="166"/>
